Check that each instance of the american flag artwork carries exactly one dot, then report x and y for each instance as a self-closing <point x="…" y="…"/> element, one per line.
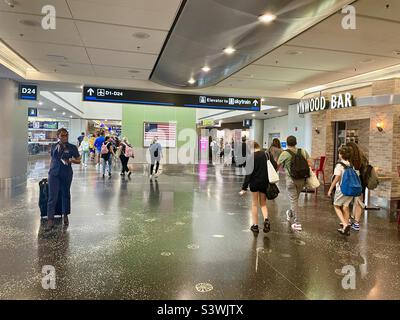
<point x="164" y="131"/>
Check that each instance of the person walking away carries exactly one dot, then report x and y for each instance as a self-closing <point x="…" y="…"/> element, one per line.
<point x="214" y="150"/>
<point x="360" y="163"/>
<point x="98" y="144"/>
<point x="276" y="149"/>
<point x="107" y="153"/>
<point x="91" y="146"/>
<point x="297" y="165"/>
<point x="155" y="156"/>
<point x="258" y="181"/>
<point x="125" y="154"/>
<point x="80" y="139"/>
<point x="85" y="147"/>
<point x="63" y="154"/>
<point x="227" y="154"/>
<point x="341" y="202"/>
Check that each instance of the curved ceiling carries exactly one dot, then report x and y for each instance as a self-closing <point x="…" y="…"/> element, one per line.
<point x="205" y="28"/>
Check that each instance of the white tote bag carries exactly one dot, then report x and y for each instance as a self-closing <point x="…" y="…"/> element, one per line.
<point x="312" y="182"/>
<point x="273" y="176"/>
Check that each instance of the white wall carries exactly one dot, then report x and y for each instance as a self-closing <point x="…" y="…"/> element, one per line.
<point x="257" y="131"/>
<point x="275" y="125"/>
<point x="299" y="125"/>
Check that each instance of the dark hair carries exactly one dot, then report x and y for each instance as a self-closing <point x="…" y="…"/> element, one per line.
<point x="59" y="131"/>
<point x="83" y="133"/>
<point x="357" y="157"/>
<point x="276" y="143"/>
<point x="291" y="141"/>
<point x="256" y="145"/>
<point x="345" y="152"/>
<point x="106" y="139"/>
<point x="102" y="133"/>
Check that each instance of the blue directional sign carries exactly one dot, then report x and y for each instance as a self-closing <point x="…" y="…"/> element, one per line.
<point x="97" y="94"/>
<point x="27" y="92"/>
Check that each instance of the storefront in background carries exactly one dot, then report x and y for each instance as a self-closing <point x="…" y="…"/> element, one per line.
<point x="368" y="116"/>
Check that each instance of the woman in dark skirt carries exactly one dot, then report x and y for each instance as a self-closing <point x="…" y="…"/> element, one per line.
<point x="258" y="181"/>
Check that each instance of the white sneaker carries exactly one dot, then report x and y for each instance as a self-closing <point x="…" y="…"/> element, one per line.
<point x="151" y="177"/>
<point x="296" y="227"/>
<point x="288" y="215"/>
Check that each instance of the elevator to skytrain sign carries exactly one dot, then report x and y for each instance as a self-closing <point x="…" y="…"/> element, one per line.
<point x="336" y="101"/>
<point x="100" y="94"/>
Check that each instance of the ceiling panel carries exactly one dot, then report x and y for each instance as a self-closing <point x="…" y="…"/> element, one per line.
<point x="371" y="37"/>
<point x="276" y="73"/>
<point x="326" y="60"/>
<point x="97" y="35"/>
<point x="69" y="68"/>
<point x="50" y="52"/>
<point x="154" y="14"/>
<point x="35" y="7"/>
<point x="11" y="28"/>
<point x="121" y="59"/>
<point x="121" y="73"/>
<point x="379" y="9"/>
<point x="255" y="84"/>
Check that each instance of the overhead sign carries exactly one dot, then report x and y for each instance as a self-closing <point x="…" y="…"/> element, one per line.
<point x="247" y="123"/>
<point x="27" y="92"/>
<point x="207" y="123"/>
<point x="344" y="100"/>
<point x="97" y="94"/>
<point x="32" y="112"/>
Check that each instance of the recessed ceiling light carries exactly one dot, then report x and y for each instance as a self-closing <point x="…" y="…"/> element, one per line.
<point x="70" y="116"/>
<point x="253" y="115"/>
<point x="105" y="120"/>
<point x="229" y="50"/>
<point x="396" y="52"/>
<point x="141" y="35"/>
<point x="29" y="23"/>
<point x="10" y="3"/>
<point x="81" y="87"/>
<point x="134" y="71"/>
<point x="294" y="52"/>
<point x="40" y="103"/>
<point x="267" y="18"/>
<point x="191" y="81"/>
<point x="279" y="110"/>
<point x="63" y="65"/>
<point x="63" y="113"/>
<point x="262" y="99"/>
<point x="54" y="109"/>
<point x="56" y="57"/>
<point x="368" y="60"/>
<point x="206" y="68"/>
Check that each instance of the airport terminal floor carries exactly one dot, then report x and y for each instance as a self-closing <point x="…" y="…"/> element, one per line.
<point x="186" y="236"/>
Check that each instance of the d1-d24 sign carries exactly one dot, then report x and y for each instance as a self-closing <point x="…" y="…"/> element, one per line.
<point x="27" y="92"/>
<point x="321" y="103"/>
<point x="97" y="94"/>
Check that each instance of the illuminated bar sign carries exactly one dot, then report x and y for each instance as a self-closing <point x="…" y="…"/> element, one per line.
<point x="96" y="94"/>
<point x="340" y="101"/>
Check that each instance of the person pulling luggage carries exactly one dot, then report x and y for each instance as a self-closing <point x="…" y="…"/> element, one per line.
<point x="63" y="154"/>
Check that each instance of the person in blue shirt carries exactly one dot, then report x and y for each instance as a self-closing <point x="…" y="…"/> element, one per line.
<point x="97" y="144"/>
<point x="63" y="154"/>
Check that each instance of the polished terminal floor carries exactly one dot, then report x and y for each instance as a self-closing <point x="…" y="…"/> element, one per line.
<point x="186" y="236"/>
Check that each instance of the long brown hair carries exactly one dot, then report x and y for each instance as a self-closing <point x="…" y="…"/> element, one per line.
<point x="357" y="158"/>
<point x="276" y="143"/>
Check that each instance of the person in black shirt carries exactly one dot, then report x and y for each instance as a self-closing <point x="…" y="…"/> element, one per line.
<point x="257" y="179"/>
<point x="107" y="151"/>
<point x="63" y="154"/>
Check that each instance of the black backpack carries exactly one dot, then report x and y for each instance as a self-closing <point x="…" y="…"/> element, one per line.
<point x="299" y="168"/>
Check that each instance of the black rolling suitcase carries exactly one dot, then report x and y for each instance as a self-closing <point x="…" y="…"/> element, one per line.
<point x="44" y="198"/>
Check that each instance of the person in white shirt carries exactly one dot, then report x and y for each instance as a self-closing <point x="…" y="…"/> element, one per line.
<point x="341" y="202"/>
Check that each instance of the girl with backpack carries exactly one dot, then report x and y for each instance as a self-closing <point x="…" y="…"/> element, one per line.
<point x="126" y="151"/>
<point x="341" y="200"/>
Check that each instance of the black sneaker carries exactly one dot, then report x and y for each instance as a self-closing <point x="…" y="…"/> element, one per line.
<point x="254" y="228"/>
<point x="267" y="226"/>
<point x="129" y="174"/>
